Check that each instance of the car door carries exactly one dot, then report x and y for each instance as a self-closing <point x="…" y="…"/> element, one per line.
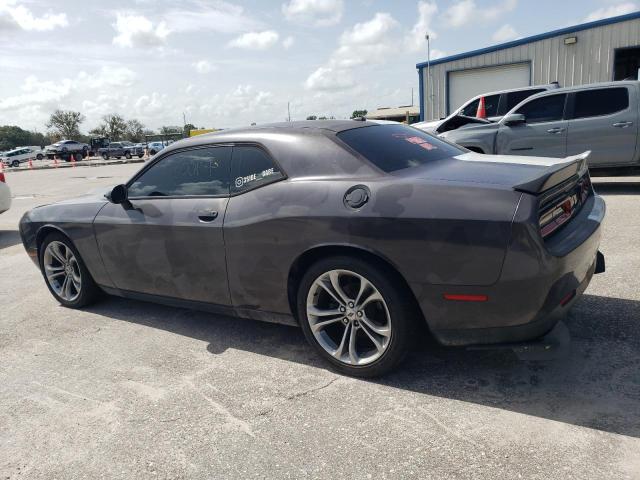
<point x="252" y="253"/>
<point x="167" y="240"/>
<point x="603" y="121"/>
<point x="544" y="132"/>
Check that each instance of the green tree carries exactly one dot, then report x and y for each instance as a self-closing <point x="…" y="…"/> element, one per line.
<point x="359" y="113"/>
<point x="12" y="136"/>
<point x="168" y="130"/>
<point x="188" y="127"/>
<point x="312" y="117"/>
<point x="135" y="130"/>
<point x="65" y="124"/>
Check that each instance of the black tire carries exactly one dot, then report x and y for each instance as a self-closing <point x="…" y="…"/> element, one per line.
<point x="399" y="304"/>
<point x="127" y="156"/>
<point x="89" y="291"/>
<point x="15" y="163"/>
<point x="105" y="156"/>
<point x="140" y="155"/>
<point x="39" y="156"/>
<point x="78" y="157"/>
<point x="152" y="152"/>
<point x="118" y="158"/>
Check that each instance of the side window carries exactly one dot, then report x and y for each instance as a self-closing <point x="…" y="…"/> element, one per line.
<point x="490" y="106"/>
<point x="605" y="101"/>
<point x="252" y="167"/>
<point x="199" y="172"/>
<point x="514" y="98"/>
<point x="544" y="109"/>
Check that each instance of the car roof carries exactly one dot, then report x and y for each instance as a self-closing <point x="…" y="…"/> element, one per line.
<point x="296" y="146"/>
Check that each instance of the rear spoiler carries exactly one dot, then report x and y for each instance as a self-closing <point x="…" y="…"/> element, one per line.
<point x="556" y="174"/>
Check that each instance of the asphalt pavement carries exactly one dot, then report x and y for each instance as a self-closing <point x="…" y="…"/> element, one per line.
<point x="126" y="389"/>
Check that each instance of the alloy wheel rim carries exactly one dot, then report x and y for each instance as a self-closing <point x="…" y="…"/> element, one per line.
<point x="62" y="271"/>
<point x="349" y="317"/>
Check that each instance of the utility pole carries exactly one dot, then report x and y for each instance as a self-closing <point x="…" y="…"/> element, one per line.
<point x="412" y="96"/>
<point x="428" y="69"/>
<point x="288" y="112"/>
<point x="184" y="119"/>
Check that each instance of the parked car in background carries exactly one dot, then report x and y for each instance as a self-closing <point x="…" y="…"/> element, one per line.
<point x="602" y="118"/>
<point x="15" y="157"/>
<point x="67" y="146"/>
<point x="365" y="232"/>
<point x="121" y="149"/>
<point x="496" y="104"/>
<point x="5" y="194"/>
<point x="155" y="147"/>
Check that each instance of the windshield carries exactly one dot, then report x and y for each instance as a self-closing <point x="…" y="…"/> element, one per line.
<point x="396" y="147"/>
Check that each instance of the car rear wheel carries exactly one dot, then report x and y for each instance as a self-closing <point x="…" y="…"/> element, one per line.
<point x="152" y="152"/>
<point x="39" y="156"/>
<point x="15" y="163"/>
<point x="140" y="155"/>
<point x="64" y="272"/>
<point x="127" y="156"/>
<point x="78" y="157"/>
<point x="354" y="316"/>
<point x="105" y="156"/>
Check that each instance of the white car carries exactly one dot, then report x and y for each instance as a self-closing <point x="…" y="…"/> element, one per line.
<point x="15" y="157"/>
<point x="5" y="194"/>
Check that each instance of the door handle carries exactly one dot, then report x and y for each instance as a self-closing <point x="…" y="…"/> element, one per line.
<point x="622" y="124"/>
<point x="207" y="216"/>
<point x="555" y="130"/>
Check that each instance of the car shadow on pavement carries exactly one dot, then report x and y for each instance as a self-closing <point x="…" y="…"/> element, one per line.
<point x="596" y="384"/>
<point x="617" y="188"/>
<point x="9" y="238"/>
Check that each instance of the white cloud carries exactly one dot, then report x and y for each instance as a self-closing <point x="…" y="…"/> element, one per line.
<point x="321" y="13"/>
<point x="504" y="34"/>
<point x="138" y="31"/>
<point x="612" y="11"/>
<point x="287" y="43"/>
<point x="330" y="79"/>
<point x="204" y="66"/>
<point x="464" y="12"/>
<point x="415" y="39"/>
<point x="244" y="99"/>
<point x="255" y="40"/>
<point x="14" y="16"/>
<point x="217" y="16"/>
<point x="364" y="43"/>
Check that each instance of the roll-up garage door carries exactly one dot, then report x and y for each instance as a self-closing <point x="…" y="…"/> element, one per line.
<point x="465" y="84"/>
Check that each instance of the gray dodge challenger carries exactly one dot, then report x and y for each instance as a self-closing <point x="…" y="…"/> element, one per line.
<point x="356" y="231"/>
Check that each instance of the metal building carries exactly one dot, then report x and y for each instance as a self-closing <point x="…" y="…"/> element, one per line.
<point x="598" y="51"/>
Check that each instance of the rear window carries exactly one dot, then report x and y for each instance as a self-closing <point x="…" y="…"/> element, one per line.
<point x="593" y="103"/>
<point x="514" y="98"/>
<point x="396" y="147"/>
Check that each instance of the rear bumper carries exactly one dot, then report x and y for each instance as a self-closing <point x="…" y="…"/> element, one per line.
<point x="538" y="285"/>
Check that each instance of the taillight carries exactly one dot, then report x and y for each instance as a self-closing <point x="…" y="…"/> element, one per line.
<point x="2" y="179"/>
<point x="562" y="204"/>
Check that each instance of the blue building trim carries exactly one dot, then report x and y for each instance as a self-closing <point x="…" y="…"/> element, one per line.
<point x="534" y="38"/>
<point x="421" y="92"/>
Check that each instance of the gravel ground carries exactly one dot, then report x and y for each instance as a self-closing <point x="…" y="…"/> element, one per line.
<point x="127" y="389"/>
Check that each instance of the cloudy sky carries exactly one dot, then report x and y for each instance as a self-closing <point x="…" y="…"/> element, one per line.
<point x="229" y="63"/>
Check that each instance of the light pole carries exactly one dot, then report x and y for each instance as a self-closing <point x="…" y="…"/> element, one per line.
<point x="429" y="94"/>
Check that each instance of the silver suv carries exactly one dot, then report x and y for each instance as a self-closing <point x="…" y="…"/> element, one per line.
<point x="601" y="117"/>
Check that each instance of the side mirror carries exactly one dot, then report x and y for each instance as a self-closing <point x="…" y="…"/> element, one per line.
<point x="119" y="194"/>
<point x="514" y="119"/>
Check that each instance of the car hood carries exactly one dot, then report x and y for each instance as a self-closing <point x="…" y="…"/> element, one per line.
<point x="516" y="172"/>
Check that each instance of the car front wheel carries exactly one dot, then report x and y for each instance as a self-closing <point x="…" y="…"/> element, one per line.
<point x="127" y="156"/>
<point x="15" y="163"/>
<point x="66" y="276"/>
<point x="355" y="316"/>
<point x="105" y="156"/>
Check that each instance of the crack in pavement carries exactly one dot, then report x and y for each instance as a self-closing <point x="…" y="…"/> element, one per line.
<point x="296" y="395"/>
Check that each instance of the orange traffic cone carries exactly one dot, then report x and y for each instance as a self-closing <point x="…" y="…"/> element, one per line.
<point x="55" y="162"/>
<point x="73" y="160"/>
<point x="481" y="113"/>
<point x="30" y="164"/>
<point x="1" y="166"/>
